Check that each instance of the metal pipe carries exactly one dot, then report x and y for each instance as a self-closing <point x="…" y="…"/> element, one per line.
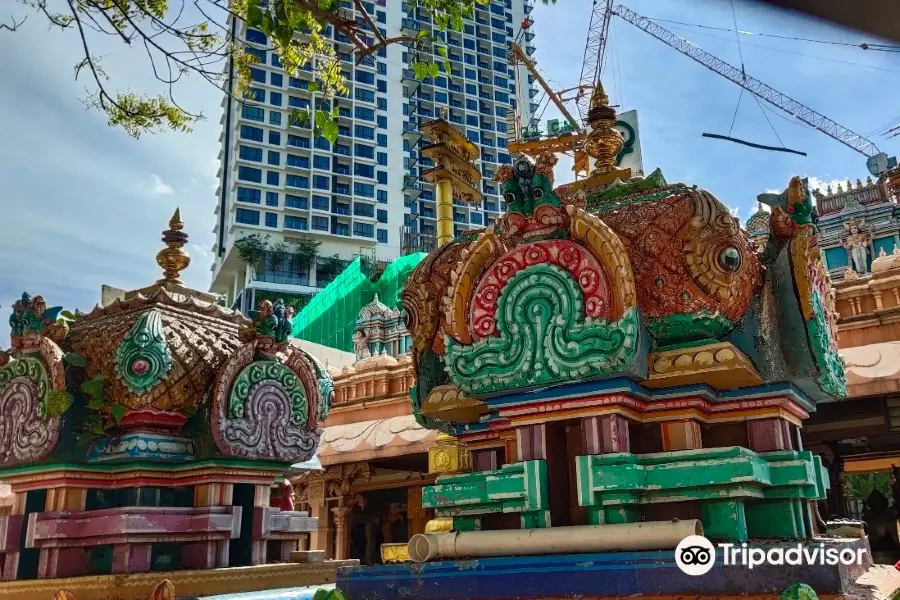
<point x="650" y="535"/>
<point x="444" y="212"/>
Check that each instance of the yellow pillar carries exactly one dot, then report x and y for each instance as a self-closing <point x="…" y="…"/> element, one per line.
<point x="444" y="212"/>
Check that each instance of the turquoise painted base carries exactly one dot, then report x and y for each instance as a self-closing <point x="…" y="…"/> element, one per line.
<point x="143" y="446"/>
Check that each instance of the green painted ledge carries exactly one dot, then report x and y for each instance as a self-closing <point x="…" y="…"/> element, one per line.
<point x="515" y="488"/>
<point x="743" y="493"/>
<point x="50" y="467"/>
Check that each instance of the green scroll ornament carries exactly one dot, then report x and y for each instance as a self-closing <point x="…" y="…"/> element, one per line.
<point x="543" y="338"/>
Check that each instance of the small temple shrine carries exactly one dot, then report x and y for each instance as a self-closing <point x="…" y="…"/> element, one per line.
<point x="616" y="366"/>
<point x="141" y="443"/>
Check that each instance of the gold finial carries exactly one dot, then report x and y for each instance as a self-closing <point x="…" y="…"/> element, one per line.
<point x="603" y="142"/>
<point x="442" y="112"/>
<point x="173" y="259"/>
<point x="849" y="185"/>
<point x="869" y="180"/>
<point x="840" y="189"/>
<point x="828" y="190"/>
<point x="858" y="183"/>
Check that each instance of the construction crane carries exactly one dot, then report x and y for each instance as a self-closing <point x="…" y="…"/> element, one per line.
<point x="602" y="12"/>
<point x="598" y="30"/>
<point x="756" y="87"/>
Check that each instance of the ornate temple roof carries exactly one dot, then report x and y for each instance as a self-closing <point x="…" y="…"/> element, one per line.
<point x="758" y="223"/>
<point x="376" y="310"/>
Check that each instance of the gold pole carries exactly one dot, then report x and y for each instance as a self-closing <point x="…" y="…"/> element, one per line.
<point x="444" y="212"/>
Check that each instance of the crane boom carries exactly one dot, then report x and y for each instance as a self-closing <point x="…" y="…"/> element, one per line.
<point x="554" y="97"/>
<point x="593" y="54"/>
<point x="754" y="86"/>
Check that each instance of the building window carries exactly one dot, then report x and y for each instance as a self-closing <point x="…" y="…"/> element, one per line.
<point x="275" y="138"/>
<point x="364" y="170"/>
<point x="366" y="114"/>
<point x="274" y="158"/>
<point x="382" y="177"/>
<point x="382" y="236"/>
<point x="271" y="198"/>
<point x="272" y="177"/>
<point x="254" y="134"/>
<point x="365" y="77"/>
<point x="382" y="86"/>
<point x="382" y="121"/>
<point x="256" y="94"/>
<point x="366" y="190"/>
<point x="382" y="159"/>
<point x="320" y="202"/>
<point x="382" y="103"/>
<point x="246" y="216"/>
<point x="320" y="182"/>
<point x="249" y="174"/>
<point x="253" y="113"/>
<point x="249" y="153"/>
<point x="275" y="98"/>
<point x="292" y="201"/>
<point x="297" y="181"/>
<point x="364" y="95"/>
<point x="382" y="140"/>
<point x="364" y="229"/>
<point x="382" y="215"/>
<point x="292" y="222"/>
<point x="366" y="133"/>
<point x="248" y="195"/>
<point x="298" y="142"/>
<point x="276" y="79"/>
<point x="322" y="162"/>
<point x="382" y="196"/>
<point x="274" y="117"/>
<point x="297" y="161"/>
<point x="363" y="151"/>
<point x="257" y="37"/>
<point x="271" y="219"/>
<point x="257" y="75"/>
<point x="320" y="223"/>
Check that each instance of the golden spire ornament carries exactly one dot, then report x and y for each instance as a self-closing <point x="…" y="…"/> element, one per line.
<point x="173" y="259"/>
<point x="603" y="141"/>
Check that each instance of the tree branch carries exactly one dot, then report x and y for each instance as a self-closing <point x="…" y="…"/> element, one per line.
<point x="15" y="24"/>
<point x="368" y="50"/>
<point x="368" y="18"/>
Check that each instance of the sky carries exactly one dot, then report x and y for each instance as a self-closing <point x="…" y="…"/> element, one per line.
<point x="83" y="204"/>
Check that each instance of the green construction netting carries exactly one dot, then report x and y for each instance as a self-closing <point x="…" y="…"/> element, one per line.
<point x="330" y="317"/>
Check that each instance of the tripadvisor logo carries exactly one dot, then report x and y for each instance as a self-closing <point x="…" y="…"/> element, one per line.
<point x="696" y="555"/>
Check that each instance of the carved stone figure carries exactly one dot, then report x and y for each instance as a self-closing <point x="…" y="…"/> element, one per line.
<point x="856" y="241"/>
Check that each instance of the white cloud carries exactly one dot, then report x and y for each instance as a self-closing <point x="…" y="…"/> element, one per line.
<point x="156" y="187"/>
<point x="773" y="191"/>
<point x="735" y="211"/>
<point x="817" y="183"/>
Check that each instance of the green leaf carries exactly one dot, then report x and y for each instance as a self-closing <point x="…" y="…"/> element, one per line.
<point x="298" y="116"/>
<point x="447" y="69"/>
<point x="97" y="428"/>
<point x="76" y="360"/>
<point x="84" y="439"/>
<point x="330" y="131"/>
<point x="442" y="50"/>
<point x="255" y="16"/>
<point x="108" y="424"/>
<point x="434" y="70"/>
<point x="321" y="594"/>
<point x="313" y="87"/>
<point x="266" y="25"/>
<point x="422" y="33"/>
<point x="336" y="594"/>
<point x="94" y="387"/>
<point x="95" y="403"/>
<point x="335" y="112"/>
<point x="117" y="411"/>
<point x="68" y="315"/>
<point x="325" y="4"/>
<point x="58" y="402"/>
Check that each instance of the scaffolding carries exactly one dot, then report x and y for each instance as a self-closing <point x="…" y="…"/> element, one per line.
<point x="330" y="317"/>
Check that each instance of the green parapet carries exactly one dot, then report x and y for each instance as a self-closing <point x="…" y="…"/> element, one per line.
<point x="741" y="492"/>
<point x="515" y="488"/>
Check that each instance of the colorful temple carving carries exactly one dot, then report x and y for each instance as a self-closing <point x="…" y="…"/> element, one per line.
<point x="614" y="366"/>
<point x="146" y="435"/>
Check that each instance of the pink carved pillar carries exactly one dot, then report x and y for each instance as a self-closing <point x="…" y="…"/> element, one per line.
<point x="342" y="531"/>
<point x="532" y="442"/>
<point x="64" y="562"/>
<point x="605" y="435"/>
<point x="131" y="558"/>
<point x="213" y="553"/>
<point x="10" y="538"/>
<point x="766" y="435"/>
<point x="261" y="499"/>
<point x="681" y="435"/>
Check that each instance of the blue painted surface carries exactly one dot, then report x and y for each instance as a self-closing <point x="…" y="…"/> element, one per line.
<point x="299" y="593"/>
<point x="573" y="575"/>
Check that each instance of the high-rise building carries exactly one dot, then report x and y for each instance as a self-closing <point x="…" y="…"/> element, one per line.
<point x="361" y="195"/>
